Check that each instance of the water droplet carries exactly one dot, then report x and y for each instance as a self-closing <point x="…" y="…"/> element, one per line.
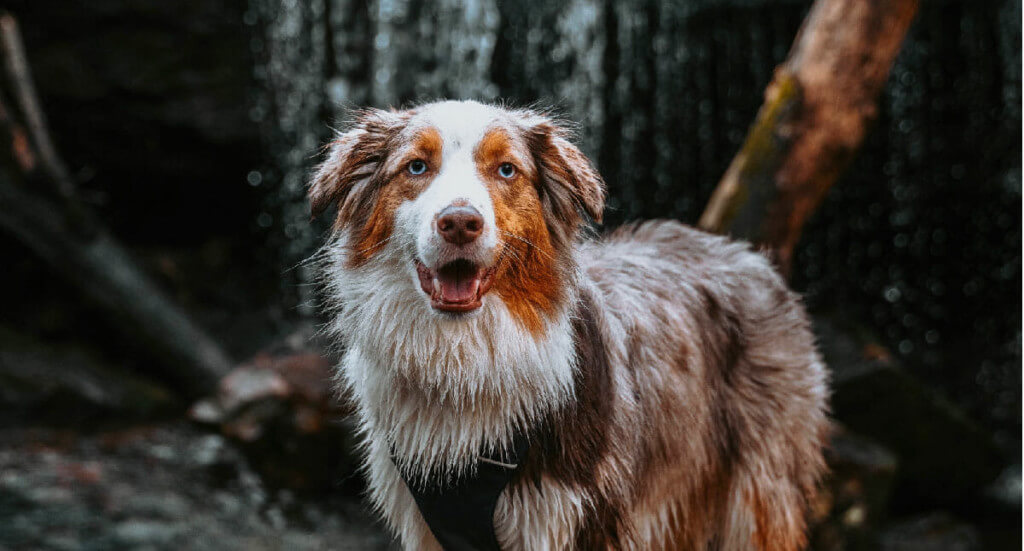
<point x="892" y="294"/>
<point x="264" y="220"/>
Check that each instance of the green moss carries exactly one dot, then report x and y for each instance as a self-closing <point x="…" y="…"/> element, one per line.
<point x="764" y="146"/>
<point x="761" y="154"/>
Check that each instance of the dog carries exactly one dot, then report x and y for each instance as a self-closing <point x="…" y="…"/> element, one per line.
<point x="665" y="380"/>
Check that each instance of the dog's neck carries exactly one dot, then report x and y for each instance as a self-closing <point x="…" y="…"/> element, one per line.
<point x="440" y="391"/>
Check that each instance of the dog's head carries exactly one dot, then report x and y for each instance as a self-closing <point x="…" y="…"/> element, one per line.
<point x="481" y="202"/>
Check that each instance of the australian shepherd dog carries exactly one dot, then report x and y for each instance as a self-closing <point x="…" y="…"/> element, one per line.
<point x="666" y="379"/>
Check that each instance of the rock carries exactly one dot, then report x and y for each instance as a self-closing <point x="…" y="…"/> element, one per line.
<point x="68" y="385"/>
<point x="208" y="450"/>
<point x="251" y="383"/>
<point x="853" y="499"/>
<point x="945" y="458"/>
<point x="166" y="506"/>
<point x="933" y="532"/>
<point x="1006" y="489"/>
<point x="281" y="408"/>
<point x="107" y="491"/>
<point x="141" y="532"/>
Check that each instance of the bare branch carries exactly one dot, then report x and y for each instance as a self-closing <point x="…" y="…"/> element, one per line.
<point x="24" y="90"/>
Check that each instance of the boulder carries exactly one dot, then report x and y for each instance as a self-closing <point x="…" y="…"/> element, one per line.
<point x="164" y="486"/>
<point x="930" y="532"/>
<point x="945" y="457"/>
<point x="853" y="499"/>
<point x="281" y="408"/>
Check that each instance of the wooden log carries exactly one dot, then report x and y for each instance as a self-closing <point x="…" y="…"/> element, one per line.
<point x="91" y="260"/>
<point x="815" y="115"/>
<point x="67" y="236"/>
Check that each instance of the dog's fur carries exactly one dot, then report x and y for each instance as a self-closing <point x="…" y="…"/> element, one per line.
<point x="667" y="378"/>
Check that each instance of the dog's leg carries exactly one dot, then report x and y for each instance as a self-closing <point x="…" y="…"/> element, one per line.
<point x="764" y="514"/>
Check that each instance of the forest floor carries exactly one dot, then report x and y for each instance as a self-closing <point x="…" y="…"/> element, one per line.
<point x="163" y="486"/>
<point x="173" y="486"/>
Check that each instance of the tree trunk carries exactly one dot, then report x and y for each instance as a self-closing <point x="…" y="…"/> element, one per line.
<point x="815" y="115"/>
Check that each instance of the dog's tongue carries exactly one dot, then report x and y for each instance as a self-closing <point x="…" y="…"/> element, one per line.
<point x="459" y="282"/>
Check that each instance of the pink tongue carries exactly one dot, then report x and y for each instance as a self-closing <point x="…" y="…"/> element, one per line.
<point x="459" y="289"/>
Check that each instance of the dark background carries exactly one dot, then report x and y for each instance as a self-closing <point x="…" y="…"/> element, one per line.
<point x="191" y="127"/>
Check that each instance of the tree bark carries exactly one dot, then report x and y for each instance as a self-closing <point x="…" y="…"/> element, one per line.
<point x="815" y="115"/>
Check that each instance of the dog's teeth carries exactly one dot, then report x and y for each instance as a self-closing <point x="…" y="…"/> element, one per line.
<point x="437" y="287"/>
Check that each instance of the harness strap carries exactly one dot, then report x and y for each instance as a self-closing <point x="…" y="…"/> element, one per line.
<point x="460" y="514"/>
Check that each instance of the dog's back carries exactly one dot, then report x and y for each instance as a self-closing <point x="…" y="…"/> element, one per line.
<point x="720" y="393"/>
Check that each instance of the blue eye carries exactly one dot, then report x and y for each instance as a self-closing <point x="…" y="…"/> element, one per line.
<point x="417" y="167"/>
<point x="507" y="170"/>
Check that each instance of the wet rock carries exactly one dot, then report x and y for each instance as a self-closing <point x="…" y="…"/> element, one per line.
<point x="108" y="491"/>
<point x="146" y="532"/>
<point x="281" y="408"/>
<point x="945" y="457"/>
<point x="1006" y="489"/>
<point x="166" y="505"/>
<point x="853" y="499"/>
<point x="933" y="532"/>
<point x="68" y="385"/>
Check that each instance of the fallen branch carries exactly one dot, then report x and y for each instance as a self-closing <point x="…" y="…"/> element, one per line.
<point x="16" y="65"/>
<point x="68" y="237"/>
<point x="815" y="115"/>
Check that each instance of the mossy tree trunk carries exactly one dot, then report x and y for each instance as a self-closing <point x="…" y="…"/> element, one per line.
<point x="815" y="115"/>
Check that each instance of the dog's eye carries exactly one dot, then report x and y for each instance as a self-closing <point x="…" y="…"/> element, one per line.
<point x="507" y="170"/>
<point x="417" y="167"/>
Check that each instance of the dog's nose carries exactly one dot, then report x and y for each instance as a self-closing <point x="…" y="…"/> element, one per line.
<point x="460" y="224"/>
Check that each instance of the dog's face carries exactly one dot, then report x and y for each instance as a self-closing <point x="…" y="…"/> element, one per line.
<point x="482" y="202"/>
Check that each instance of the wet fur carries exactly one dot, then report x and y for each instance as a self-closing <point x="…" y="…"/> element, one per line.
<point x="667" y="378"/>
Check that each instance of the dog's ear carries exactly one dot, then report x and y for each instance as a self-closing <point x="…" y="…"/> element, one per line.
<point x="352" y="163"/>
<point x="570" y="185"/>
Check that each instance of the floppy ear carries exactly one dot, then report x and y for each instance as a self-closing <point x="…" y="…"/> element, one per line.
<point x="570" y="185"/>
<point x="346" y="176"/>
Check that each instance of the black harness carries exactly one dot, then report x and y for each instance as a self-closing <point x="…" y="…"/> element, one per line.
<point x="460" y="513"/>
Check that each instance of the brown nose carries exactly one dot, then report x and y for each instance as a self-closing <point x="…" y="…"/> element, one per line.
<point x="460" y="225"/>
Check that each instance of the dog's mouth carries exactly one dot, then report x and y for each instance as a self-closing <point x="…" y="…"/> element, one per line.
<point x="457" y="286"/>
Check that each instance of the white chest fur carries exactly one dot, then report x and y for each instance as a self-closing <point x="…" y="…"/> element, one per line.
<point x="435" y="391"/>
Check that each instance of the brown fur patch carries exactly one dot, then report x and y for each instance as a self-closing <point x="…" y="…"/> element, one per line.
<point x="569" y="184"/>
<point x="375" y="229"/>
<point x="353" y="163"/>
<point x="527" y="280"/>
